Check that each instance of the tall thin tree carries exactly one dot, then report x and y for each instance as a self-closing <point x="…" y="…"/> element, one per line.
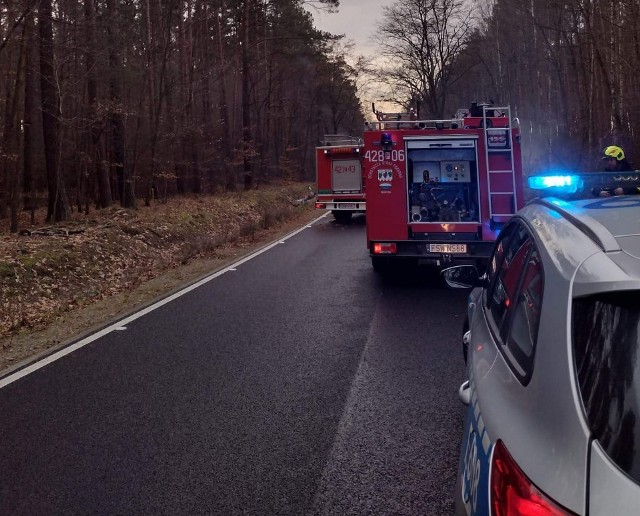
<point x="58" y="208"/>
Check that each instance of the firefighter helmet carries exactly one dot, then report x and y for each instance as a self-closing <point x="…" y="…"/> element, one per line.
<point x="613" y="151"/>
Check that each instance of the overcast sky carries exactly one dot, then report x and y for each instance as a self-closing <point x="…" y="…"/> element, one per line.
<point x="356" y="19"/>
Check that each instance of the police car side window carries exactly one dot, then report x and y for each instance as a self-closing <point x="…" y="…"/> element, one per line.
<point x="606" y="343"/>
<point x="514" y="296"/>
<point x="495" y="262"/>
<point x="505" y="271"/>
<point x="523" y="331"/>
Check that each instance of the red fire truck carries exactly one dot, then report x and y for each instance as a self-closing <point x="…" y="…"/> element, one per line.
<point x="438" y="191"/>
<point x="339" y="180"/>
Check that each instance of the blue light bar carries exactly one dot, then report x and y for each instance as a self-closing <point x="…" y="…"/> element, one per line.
<point x="386" y="141"/>
<point x="565" y="183"/>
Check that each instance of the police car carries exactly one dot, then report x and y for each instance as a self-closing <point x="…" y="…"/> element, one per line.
<point x="552" y="343"/>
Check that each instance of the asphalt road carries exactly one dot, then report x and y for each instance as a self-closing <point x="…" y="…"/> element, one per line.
<point x="299" y="383"/>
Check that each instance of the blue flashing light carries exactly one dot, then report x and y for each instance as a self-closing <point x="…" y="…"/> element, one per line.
<point x="562" y="183"/>
<point x="386" y="141"/>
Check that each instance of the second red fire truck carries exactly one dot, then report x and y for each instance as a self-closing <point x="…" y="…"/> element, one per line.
<point x="438" y="191"/>
<point x="339" y="180"/>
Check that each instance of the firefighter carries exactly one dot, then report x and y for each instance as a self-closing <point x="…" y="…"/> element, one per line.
<point x="615" y="161"/>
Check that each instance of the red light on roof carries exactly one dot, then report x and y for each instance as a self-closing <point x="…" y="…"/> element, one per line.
<point x="343" y="150"/>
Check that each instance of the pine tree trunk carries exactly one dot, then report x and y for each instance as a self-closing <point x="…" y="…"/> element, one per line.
<point x="228" y="172"/>
<point x="116" y="115"/>
<point x="247" y="143"/>
<point x="58" y="208"/>
<point x="28" y="185"/>
<point x="97" y="157"/>
<point x="16" y="133"/>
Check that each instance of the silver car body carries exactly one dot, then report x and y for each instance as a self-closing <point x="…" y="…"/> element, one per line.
<point x="585" y="247"/>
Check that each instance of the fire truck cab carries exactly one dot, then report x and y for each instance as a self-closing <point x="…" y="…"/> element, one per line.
<point x="339" y="180"/>
<point x="438" y="191"/>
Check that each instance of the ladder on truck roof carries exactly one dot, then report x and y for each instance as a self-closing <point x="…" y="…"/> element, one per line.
<point x="500" y="165"/>
<point x="331" y="140"/>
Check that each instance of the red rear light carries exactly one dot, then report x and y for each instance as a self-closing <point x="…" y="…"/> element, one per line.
<point x="342" y="150"/>
<point x="384" y="248"/>
<point x="513" y="494"/>
<point x="320" y="206"/>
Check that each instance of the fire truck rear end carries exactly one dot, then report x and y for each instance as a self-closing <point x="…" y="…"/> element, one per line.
<point x="438" y="191"/>
<point x="339" y="180"/>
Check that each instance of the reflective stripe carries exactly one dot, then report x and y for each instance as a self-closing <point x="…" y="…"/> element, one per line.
<point x="481" y="425"/>
<point x="486" y="442"/>
<point x="475" y="462"/>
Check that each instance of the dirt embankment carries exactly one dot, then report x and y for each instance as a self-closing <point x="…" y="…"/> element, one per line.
<point x="60" y="281"/>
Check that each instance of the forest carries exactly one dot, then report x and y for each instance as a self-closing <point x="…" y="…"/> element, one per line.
<point x="132" y="101"/>
<point x="566" y="67"/>
<point x="129" y="101"/>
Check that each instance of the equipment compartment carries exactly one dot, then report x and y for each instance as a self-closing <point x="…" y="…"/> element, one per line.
<point x="442" y="181"/>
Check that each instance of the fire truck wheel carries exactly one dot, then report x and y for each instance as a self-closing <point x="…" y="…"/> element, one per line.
<point x="342" y="215"/>
<point x="380" y="263"/>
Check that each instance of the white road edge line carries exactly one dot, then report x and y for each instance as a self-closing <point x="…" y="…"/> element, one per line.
<point x="123" y="322"/>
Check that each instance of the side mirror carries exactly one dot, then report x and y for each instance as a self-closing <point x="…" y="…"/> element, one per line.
<point x="463" y="276"/>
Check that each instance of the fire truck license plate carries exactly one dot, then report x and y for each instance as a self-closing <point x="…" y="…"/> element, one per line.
<point x="448" y="248"/>
<point x="348" y="205"/>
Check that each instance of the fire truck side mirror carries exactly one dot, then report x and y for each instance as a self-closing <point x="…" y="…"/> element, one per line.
<point x="464" y="276"/>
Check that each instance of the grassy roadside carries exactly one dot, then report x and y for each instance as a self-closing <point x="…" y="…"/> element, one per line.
<point x="62" y="281"/>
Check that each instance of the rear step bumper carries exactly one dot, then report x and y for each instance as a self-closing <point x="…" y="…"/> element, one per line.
<point x="423" y="249"/>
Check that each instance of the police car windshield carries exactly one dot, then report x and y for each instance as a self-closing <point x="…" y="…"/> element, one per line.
<point x="606" y="338"/>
